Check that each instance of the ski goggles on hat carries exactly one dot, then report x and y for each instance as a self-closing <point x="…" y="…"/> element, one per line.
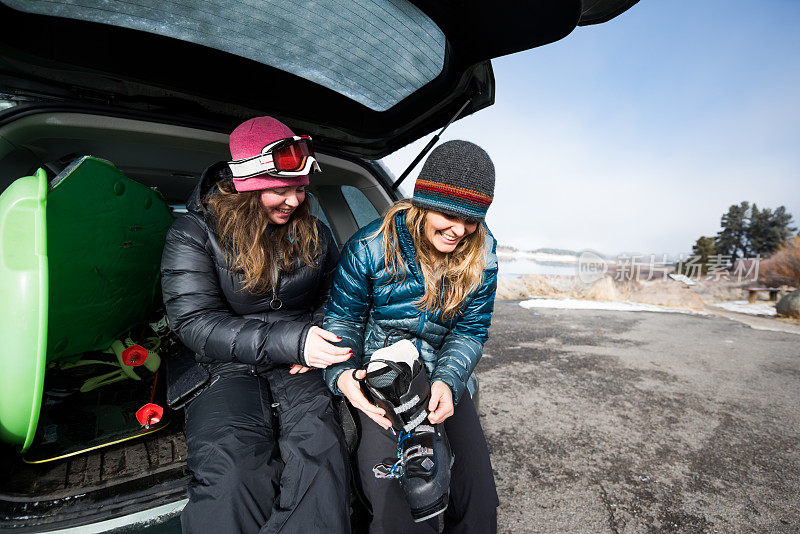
<point x="288" y="157"/>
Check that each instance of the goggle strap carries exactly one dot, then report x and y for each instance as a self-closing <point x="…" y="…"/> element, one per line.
<point x="248" y="167"/>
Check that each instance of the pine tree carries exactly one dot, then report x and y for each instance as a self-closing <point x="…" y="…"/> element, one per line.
<point x="768" y="230"/>
<point x="732" y="239"/>
<point x="780" y="229"/>
<point x="758" y="230"/>
<point x="748" y="230"/>
<point x="704" y="248"/>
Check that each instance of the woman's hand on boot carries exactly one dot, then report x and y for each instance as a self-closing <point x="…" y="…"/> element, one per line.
<point x="351" y="389"/>
<point x="441" y="404"/>
<point x="320" y="351"/>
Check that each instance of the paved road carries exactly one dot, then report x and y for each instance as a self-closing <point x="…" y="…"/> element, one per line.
<point x="602" y="421"/>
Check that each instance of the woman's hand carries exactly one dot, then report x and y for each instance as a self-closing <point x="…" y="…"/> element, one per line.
<point x="348" y="385"/>
<point x="297" y="368"/>
<point x="319" y="350"/>
<point x="441" y="404"/>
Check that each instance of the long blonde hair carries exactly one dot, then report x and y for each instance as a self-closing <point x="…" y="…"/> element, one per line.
<point x="448" y="281"/>
<point x="241" y="224"/>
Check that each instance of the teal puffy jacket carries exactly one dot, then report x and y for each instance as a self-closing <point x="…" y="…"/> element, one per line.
<point x="369" y="310"/>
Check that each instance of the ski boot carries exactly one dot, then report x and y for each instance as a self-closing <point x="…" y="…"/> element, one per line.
<point x="396" y="381"/>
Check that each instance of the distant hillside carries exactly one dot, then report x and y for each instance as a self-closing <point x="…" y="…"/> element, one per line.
<point x="558" y="251"/>
<point x="555" y="251"/>
<point x="509" y="250"/>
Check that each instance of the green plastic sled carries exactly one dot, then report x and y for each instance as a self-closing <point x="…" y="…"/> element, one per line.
<point x="23" y="306"/>
<point x="79" y="267"/>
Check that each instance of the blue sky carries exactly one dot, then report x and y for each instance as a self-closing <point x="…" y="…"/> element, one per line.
<point x="636" y="135"/>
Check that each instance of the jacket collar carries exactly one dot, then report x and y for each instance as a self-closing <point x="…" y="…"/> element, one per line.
<point x="213" y="174"/>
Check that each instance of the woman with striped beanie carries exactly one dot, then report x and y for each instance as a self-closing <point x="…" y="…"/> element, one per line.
<point x="418" y="285"/>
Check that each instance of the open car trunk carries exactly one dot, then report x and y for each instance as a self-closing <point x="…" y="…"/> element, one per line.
<point x="81" y="248"/>
<point x="81" y="256"/>
<point x="72" y="457"/>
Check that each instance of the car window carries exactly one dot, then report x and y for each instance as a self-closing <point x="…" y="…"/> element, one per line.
<point x="376" y="53"/>
<point x="362" y="209"/>
<point x="316" y="210"/>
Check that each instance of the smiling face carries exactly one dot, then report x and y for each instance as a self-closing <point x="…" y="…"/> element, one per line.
<point x="280" y="202"/>
<point x="445" y="232"/>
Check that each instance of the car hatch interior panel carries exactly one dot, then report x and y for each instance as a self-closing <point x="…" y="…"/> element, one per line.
<point x="376" y="53"/>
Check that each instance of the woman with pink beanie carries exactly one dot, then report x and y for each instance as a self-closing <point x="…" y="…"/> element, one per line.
<point x="245" y="275"/>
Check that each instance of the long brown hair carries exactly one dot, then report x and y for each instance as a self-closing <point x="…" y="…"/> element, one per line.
<point x="449" y="278"/>
<point x="241" y="224"/>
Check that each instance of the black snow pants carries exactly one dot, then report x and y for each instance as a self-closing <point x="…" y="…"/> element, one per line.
<point x="267" y="455"/>
<point x="473" y="497"/>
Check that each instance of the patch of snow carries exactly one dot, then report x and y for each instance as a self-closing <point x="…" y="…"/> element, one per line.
<point x="682" y="278"/>
<point x="577" y="304"/>
<point x="742" y="306"/>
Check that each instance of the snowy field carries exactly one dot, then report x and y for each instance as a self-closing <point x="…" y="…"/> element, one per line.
<point x="576" y="304"/>
<point x="742" y="306"/>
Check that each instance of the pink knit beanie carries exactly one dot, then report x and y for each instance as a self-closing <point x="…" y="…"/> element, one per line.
<point x="247" y="141"/>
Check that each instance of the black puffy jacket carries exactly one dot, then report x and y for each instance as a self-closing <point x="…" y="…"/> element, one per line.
<point x="210" y="312"/>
